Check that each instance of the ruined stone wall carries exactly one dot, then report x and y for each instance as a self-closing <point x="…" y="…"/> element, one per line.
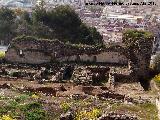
<point x="123" y="78"/>
<point x="111" y="57"/>
<point x="103" y="57"/>
<point x="27" y="57"/>
<point x="88" y="75"/>
<point x="31" y="50"/>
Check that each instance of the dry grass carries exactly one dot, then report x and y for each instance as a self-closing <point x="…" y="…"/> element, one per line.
<point x="146" y="111"/>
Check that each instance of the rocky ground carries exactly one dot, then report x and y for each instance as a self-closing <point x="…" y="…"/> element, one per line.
<point x="73" y="98"/>
<point x="25" y="99"/>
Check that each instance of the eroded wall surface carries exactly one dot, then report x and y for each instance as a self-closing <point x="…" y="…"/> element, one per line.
<point x="43" y="51"/>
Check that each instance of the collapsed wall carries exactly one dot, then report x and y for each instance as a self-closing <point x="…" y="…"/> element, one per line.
<point x="35" y="51"/>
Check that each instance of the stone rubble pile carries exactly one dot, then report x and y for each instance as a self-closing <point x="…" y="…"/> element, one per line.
<point x="108" y="116"/>
<point x="116" y="116"/>
<point x="58" y="76"/>
<point x="82" y="76"/>
<point x="44" y="90"/>
<point x="90" y="75"/>
<point x="67" y="116"/>
<point x="87" y="89"/>
<point x="109" y="94"/>
<point x="6" y="86"/>
<point x="78" y="96"/>
<point x="39" y="73"/>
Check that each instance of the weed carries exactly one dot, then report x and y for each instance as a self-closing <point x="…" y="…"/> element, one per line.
<point x="30" y="106"/>
<point x="89" y="115"/>
<point x="65" y="106"/>
<point x="12" y="105"/>
<point x="6" y="117"/>
<point x="36" y="114"/>
<point x="2" y="54"/>
<point x="34" y="96"/>
<point x="157" y="79"/>
<point x="33" y="111"/>
<point x="21" y="98"/>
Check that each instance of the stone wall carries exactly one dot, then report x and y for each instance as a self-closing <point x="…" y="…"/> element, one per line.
<point x="123" y="78"/>
<point x="27" y="57"/>
<point x="31" y="50"/>
<point x="90" y="75"/>
<point x="103" y="57"/>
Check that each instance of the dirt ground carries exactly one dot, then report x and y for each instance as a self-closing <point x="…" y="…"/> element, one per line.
<point x="56" y="105"/>
<point x="133" y="90"/>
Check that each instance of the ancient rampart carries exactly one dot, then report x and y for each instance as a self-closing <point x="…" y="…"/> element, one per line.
<point x="34" y="51"/>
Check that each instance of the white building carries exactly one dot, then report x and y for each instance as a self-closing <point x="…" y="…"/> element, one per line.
<point x="128" y="18"/>
<point x="18" y="3"/>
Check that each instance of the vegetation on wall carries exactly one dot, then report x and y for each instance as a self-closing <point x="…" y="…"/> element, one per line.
<point x="138" y="48"/>
<point x="138" y="44"/>
<point x="131" y="38"/>
<point x="81" y="48"/>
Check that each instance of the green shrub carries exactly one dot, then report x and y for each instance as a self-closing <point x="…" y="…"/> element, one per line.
<point x="36" y="114"/>
<point x="31" y="106"/>
<point x="12" y="105"/>
<point x="33" y="111"/>
<point x="3" y="110"/>
<point x="21" y="98"/>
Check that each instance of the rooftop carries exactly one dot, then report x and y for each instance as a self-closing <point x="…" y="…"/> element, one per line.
<point x="124" y="16"/>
